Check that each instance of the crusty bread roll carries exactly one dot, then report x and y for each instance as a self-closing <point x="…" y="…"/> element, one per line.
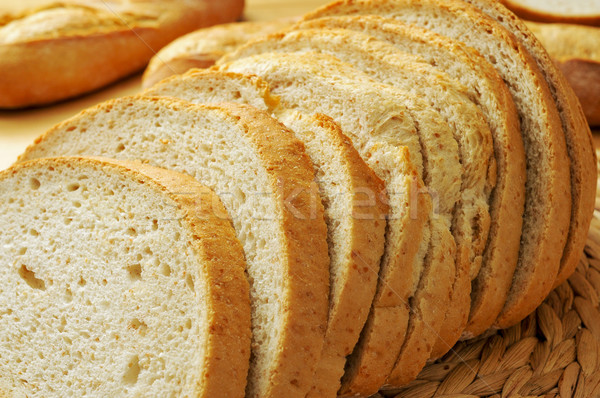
<point x="115" y="283"/>
<point x="69" y="48"/>
<point x="202" y="48"/>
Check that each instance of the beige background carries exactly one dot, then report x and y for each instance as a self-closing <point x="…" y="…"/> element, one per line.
<point x="19" y="128"/>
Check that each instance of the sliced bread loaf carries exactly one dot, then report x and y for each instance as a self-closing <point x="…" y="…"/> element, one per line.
<point x="427" y="94"/>
<point x="485" y="87"/>
<point x="353" y="199"/>
<point x="579" y="139"/>
<point x="202" y="48"/>
<point x="320" y="82"/>
<point x="85" y="245"/>
<point x="265" y="180"/>
<point x="548" y="198"/>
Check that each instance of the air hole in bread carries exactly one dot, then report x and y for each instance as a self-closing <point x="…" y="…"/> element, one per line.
<point x="29" y="277"/>
<point x="138" y="325"/>
<point x="120" y="148"/>
<point x="132" y="371"/>
<point x="165" y="269"/>
<point x="82" y="282"/>
<point x="131" y="231"/>
<point x="135" y="272"/>
<point x="34" y="183"/>
<point x="77" y="204"/>
<point x="22" y="251"/>
<point x="73" y="187"/>
<point x="33" y="232"/>
<point x="68" y="295"/>
<point x="189" y="281"/>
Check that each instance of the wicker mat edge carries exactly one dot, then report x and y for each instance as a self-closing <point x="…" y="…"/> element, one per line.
<point x="555" y="352"/>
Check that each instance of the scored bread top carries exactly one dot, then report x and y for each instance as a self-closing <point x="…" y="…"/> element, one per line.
<point x="353" y="198"/>
<point x="485" y="87"/>
<point x="548" y="198"/>
<point x="265" y="180"/>
<point x="87" y="241"/>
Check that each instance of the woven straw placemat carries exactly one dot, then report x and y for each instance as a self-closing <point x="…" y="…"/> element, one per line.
<point x="555" y="352"/>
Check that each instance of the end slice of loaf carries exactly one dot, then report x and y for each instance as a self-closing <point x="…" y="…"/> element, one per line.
<point x="265" y="180"/>
<point x="353" y="198"/>
<point x="485" y="88"/>
<point x="119" y="278"/>
<point x="548" y="197"/>
<point x="202" y="48"/>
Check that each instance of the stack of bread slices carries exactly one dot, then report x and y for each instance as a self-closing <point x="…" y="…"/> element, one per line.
<point x="400" y="175"/>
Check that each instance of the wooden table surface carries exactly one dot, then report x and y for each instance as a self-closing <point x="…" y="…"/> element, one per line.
<point x="19" y="128"/>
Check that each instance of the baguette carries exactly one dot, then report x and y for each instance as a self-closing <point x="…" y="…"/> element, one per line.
<point x="86" y="242"/>
<point x="202" y="48"/>
<point x="353" y="198"/>
<point x="265" y="180"/>
<point x="576" y="51"/>
<point x="69" y="48"/>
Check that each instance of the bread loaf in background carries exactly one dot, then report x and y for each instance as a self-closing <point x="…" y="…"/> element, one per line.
<point x="585" y="12"/>
<point x="69" y="48"/>
<point x="576" y="51"/>
<point x="202" y="48"/>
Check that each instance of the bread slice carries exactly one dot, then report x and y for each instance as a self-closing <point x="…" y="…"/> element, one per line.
<point x="353" y="198"/>
<point x="579" y="12"/>
<point x="320" y="82"/>
<point x="265" y="180"/>
<point x="484" y="87"/>
<point x="575" y="49"/>
<point x="579" y="139"/>
<point x="68" y="48"/>
<point x="202" y="48"/>
<point x="85" y="244"/>
<point x="422" y="87"/>
<point x="548" y="197"/>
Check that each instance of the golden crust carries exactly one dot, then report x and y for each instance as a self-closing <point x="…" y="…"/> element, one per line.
<point x="386" y="326"/>
<point x="349" y="313"/>
<point x="307" y="259"/>
<point x="225" y="365"/>
<point x="48" y="68"/>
